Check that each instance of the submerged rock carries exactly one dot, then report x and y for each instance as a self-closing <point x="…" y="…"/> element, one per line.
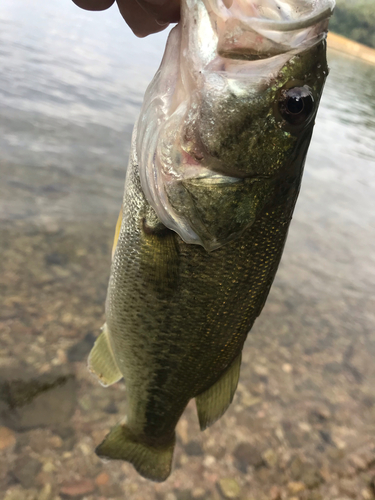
<point x="229" y="488"/>
<point x="247" y="455"/>
<point x="25" y="470"/>
<point x="39" y="401"/>
<point x="7" y="438"/>
<point x="194" y="449"/>
<point x="77" y="489"/>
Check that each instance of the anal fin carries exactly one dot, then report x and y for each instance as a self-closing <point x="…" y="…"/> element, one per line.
<point x="214" y="402"/>
<point x="101" y="361"/>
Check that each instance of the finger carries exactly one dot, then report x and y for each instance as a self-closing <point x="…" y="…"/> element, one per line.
<point x="167" y="11"/>
<point x="141" y="22"/>
<point x="94" y="4"/>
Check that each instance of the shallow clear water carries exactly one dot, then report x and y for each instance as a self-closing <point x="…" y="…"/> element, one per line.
<point x="302" y="424"/>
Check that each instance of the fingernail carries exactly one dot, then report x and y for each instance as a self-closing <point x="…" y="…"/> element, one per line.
<point x="161" y="23"/>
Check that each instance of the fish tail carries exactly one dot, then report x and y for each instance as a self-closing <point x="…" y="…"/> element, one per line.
<point x="152" y="462"/>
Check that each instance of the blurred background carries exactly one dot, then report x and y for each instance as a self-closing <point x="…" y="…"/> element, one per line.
<point x="302" y="424"/>
<point x="355" y="19"/>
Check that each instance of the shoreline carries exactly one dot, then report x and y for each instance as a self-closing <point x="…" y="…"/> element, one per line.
<point x="350" y="47"/>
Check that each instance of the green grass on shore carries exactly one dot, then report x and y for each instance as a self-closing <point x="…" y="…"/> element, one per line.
<point x="355" y="19"/>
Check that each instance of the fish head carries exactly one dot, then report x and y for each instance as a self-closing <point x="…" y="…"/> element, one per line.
<point x="236" y="99"/>
<point x="253" y="124"/>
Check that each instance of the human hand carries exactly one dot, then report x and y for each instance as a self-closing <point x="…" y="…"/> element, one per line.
<point x="143" y="16"/>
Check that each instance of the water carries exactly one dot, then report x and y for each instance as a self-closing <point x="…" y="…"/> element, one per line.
<point x="302" y="422"/>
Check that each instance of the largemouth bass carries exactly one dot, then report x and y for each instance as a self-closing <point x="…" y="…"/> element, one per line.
<point x="214" y="174"/>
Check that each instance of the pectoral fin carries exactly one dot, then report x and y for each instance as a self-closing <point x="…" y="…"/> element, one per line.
<point x="101" y="361"/>
<point x="117" y="232"/>
<point x="214" y="402"/>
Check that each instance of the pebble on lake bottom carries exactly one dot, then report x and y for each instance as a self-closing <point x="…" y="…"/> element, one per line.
<point x="229" y="488"/>
<point x="7" y="438"/>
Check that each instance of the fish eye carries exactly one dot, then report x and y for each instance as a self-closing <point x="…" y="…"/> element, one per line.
<point x="296" y="105"/>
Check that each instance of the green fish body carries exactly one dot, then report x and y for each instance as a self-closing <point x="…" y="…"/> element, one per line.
<point x="209" y="195"/>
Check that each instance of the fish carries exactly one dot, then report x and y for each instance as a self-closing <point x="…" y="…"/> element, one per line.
<point x="214" y="173"/>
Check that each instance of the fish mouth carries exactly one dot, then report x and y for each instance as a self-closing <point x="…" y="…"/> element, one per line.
<point x="257" y="30"/>
<point x="278" y="15"/>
